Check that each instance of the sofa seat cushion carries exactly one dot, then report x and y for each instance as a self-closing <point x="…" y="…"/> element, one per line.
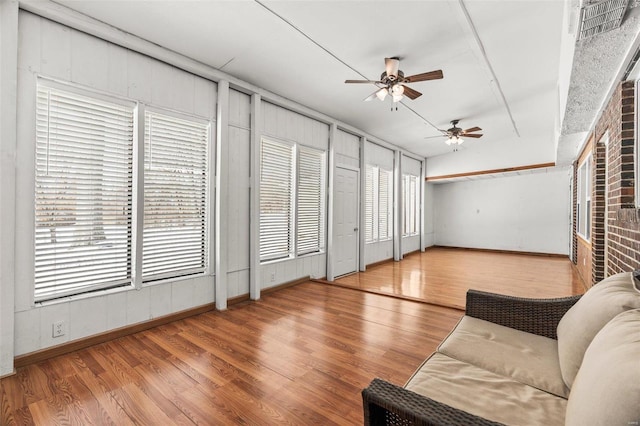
<point x="585" y="319"/>
<point x="486" y="394"/>
<point x="606" y="390"/>
<point x="523" y="357"/>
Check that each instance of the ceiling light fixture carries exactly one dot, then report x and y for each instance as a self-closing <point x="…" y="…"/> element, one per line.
<point x="382" y="93"/>
<point x="454" y="140"/>
<point x="397" y="91"/>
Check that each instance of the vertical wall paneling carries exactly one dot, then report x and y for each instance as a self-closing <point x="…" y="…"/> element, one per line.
<point x="423" y="174"/>
<point x="383" y="157"/>
<point x="363" y="166"/>
<point x="397" y="207"/>
<point x="333" y="130"/>
<point x="138" y="197"/>
<point x="8" y="102"/>
<point x="254" y="223"/>
<point x="52" y="50"/>
<point x="237" y="179"/>
<point x="414" y="167"/>
<point x="222" y="194"/>
<point x="283" y="124"/>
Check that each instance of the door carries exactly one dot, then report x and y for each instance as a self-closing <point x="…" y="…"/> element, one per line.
<point x="345" y="221"/>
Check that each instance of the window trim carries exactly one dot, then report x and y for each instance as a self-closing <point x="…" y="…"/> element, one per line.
<point x="376" y="201"/>
<point x="416" y="210"/>
<point x="580" y="209"/>
<point x="135" y="280"/>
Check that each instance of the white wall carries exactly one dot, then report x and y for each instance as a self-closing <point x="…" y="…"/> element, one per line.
<point x="528" y="213"/>
<point x="55" y="51"/>
<point x="429" y="215"/>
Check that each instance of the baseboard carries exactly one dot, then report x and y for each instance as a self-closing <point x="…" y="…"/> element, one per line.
<point x="285" y="285"/>
<point x="379" y="262"/>
<point x="238" y="299"/>
<point x="527" y="253"/>
<point x="85" y="342"/>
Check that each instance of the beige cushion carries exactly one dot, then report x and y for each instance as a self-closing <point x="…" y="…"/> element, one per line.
<point x="606" y="390"/>
<point x="485" y="394"/>
<point x="586" y="318"/>
<point x="523" y="357"/>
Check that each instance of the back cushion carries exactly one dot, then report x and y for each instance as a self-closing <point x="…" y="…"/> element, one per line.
<point x="585" y="319"/>
<point x="606" y="390"/>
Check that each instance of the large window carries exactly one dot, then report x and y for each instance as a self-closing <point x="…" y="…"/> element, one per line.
<point x="292" y="200"/>
<point x="378" y="204"/>
<point x="584" y="199"/>
<point x="83" y="194"/>
<point x="411" y="205"/>
<point x="175" y="195"/>
<point x="87" y="190"/>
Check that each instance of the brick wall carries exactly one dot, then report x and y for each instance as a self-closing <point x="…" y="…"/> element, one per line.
<point x="621" y="245"/>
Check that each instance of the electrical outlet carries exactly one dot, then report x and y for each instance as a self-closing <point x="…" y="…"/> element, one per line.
<point x="59" y="328"/>
<point x="273" y="276"/>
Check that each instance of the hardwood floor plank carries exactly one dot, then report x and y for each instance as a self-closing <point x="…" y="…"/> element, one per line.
<point x="298" y="356"/>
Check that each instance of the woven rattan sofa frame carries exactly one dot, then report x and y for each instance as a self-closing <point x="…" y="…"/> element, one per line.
<point x="387" y="404"/>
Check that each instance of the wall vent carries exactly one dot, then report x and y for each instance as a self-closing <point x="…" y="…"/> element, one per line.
<point x="597" y="18"/>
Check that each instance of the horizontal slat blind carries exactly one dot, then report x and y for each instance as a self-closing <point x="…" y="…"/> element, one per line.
<point x="311" y="196"/>
<point x="276" y="200"/>
<point x="83" y="196"/>
<point x="384" y="205"/>
<point x="175" y="196"/>
<point x="371" y="176"/>
<point x="410" y="204"/>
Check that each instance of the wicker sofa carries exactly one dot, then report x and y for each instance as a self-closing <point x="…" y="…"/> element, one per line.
<point x="573" y="361"/>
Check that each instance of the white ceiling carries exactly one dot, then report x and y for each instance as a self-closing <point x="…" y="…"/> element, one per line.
<point x="304" y="50"/>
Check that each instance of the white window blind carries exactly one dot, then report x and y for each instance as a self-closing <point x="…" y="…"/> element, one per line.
<point x="175" y="196"/>
<point x="83" y="195"/>
<point x="371" y="184"/>
<point x="310" y="202"/>
<point x="385" y="203"/>
<point x="277" y="172"/>
<point x="378" y="204"/>
<point x="410" y="203"/>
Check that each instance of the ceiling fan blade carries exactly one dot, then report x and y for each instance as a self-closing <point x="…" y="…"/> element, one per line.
<point x="371" y="96"/>
<point x="432" y="75"/>
<point x="410" y="93"/>
<point x="472" y="135"/>
<point x="473" y="129"/>
<point x="362" y="81"/>
<point x="391" y="66"/>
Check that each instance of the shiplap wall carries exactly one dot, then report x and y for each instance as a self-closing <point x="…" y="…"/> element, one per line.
<point x="347" y="149"/>
<point x="55" y="51"/>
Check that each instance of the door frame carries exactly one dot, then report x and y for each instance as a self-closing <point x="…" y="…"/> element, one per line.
<point x="331" y="257"/>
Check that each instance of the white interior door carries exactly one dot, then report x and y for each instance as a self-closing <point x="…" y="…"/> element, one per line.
<point x="345" y="221"/>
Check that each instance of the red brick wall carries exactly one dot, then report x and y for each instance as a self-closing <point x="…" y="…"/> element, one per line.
<point x="622" y="242"/>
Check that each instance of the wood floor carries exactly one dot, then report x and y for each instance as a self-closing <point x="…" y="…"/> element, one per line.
<point x="442" y="276"/>
<point x="299" y="356"/>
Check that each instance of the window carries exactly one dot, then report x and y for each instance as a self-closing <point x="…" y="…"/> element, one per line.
<point x="378" y="204"/>
<point x="411" y="205"/>
<point x="276" y="200"/>
<point x="584" y="199"/>
<point x="311" y="196"/>
<point x="637" y="137"/>
<point x="175" y="196"/>
<point x="83" y="193"/>
<point x="292" y="181"/>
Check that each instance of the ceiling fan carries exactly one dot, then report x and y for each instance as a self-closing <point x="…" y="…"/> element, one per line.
<point x="455" y="134"/>
<point x="393" y="82"/>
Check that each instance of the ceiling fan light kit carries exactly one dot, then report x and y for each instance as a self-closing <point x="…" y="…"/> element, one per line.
<point x="393" y="82"/>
